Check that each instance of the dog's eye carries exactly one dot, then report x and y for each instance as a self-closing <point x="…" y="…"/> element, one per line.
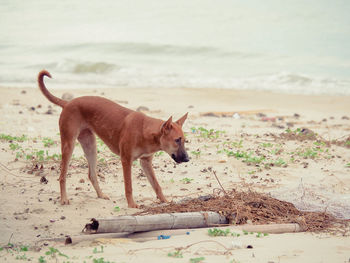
<point x="178" y="140"/>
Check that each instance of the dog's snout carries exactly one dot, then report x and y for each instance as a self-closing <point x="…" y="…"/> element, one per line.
<point x="180" y="158"/>
<point x="185" y="158"/>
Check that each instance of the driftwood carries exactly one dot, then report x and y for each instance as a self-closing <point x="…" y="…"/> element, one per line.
<point x="152" y="235"/>
<point x="149" y="227"/>
<point x="136" y="237"/>
<point x="132" y="224"/>
<point x="272" y="228"/>
<point x="80" y="238"/>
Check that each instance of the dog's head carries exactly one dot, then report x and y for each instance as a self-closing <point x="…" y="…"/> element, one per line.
<point x="172" y="139"/>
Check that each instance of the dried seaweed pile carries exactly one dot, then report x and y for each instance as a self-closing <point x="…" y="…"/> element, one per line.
<point x="239" y="207"/>
<point x="305" y="134"/>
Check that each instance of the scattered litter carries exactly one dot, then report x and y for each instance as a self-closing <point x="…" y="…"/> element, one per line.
<point x="163" y="237"/>
<point x="43" y="180"/>
<point x="271" y="119"/>
<point x="233" y="114"/>
<point x="236" y="116"/>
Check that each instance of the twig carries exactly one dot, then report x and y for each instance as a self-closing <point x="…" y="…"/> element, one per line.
<point x="7" y="169"/>
<point x="302" y="188"/>
<point x="181" y="248"/>
<point x="217" y="179"/>
<point x="203" y="241"/>
<point x="10" y="238"/>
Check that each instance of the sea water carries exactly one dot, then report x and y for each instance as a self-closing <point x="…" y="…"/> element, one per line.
<point x="292" y="46"/>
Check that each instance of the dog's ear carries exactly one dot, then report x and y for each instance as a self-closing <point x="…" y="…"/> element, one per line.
<point x="182" y="120"/>
<point x="166" y="127"/>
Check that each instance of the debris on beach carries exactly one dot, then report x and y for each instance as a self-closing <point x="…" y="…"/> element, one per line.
<point x="233" y="114"/>
<point x="257" y="208"/>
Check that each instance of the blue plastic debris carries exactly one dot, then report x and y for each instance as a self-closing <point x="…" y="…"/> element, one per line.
<point x="187" y="233"/>
<point x="163" y="237"/>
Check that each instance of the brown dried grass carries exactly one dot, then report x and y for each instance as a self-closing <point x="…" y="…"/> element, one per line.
<point x="258" y="208"/>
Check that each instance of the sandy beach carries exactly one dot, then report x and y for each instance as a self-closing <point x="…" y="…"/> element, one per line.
<point x="294" y="147"/>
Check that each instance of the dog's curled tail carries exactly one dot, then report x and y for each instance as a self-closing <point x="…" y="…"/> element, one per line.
<point x="46" y="93"/>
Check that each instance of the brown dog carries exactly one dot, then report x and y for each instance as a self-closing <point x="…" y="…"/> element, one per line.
<point x="128" y="133"/>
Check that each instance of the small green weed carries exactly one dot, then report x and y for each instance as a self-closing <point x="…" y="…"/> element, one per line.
<point x="253" y="159"/>
<point x="266" y="145"/>
<point x="233" y="144"/>
<point x="159" y="153"/>
<point x="15" y="146"/>
<point x="24" y="248"/>
<point x="279" y="162"/>
<point x="10" y="138"/>
<point x="100" y="260"/>
<point x="48" y="142"/>
<point x="214" y="232"/>
<point x="186" y="180"/>
<point x="53" y="252"/>
<point x="22" y="257"/>
<point x="319" y="143"/>
<point x="42" y="259"/>
<point x="196" y="153"/>
<point x="258" y="234"/>
<point x="96" y="250"/>
<point x="207" y="134"/>
<point x="176" y="254"/>
<point x="276" y="151"/>
<point x="197" y="260"/>
<point x="308" y="153"/>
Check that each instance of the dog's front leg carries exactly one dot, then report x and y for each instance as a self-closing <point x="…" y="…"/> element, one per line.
<point x="146" y="164"/>
<point x="126" y="162"/>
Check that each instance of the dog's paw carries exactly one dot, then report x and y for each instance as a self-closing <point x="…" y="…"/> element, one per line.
<point x="64" y="201"/>
<point x="163" y="200"/>
<point x="133" y="205"/>
<point x="103" y="196"/>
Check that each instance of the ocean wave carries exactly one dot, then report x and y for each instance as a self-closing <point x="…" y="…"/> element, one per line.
<point x="98" y="68"/>
<point x="81" y="67"/>
<point x="288" y="78"/>
<point x="78" y="73"/>
<point x="151" y="49"/>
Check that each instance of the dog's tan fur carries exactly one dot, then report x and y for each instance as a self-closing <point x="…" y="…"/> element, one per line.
<point x="130" y="134"/>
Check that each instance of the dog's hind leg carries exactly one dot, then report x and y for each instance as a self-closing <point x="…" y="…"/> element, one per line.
<point x="67" y="146"/>
<point x="88" y="141"/>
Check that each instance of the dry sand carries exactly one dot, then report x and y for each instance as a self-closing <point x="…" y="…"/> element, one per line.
<point x="309" y="173"/>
